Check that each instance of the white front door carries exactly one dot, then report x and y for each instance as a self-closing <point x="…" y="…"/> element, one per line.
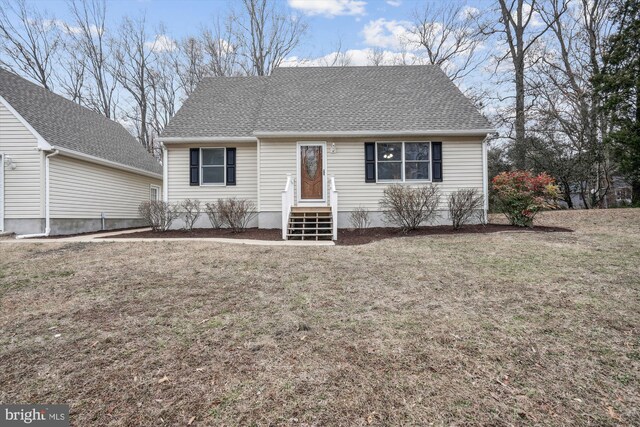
<point x="312" y="186"/>
<point x="1" y="192"/>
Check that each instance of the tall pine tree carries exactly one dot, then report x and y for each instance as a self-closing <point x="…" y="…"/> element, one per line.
<point x="619" y="87"/>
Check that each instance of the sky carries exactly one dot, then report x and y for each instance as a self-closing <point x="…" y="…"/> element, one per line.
<point x="355" y="24"/>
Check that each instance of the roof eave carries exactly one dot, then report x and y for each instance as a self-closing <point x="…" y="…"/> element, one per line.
<point x="199" y="139"/>
<point x="374" y="133"/>
<point x="98" y="160"/>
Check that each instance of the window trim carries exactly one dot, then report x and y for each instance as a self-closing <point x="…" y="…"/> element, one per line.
<point x="223" y="166"/>
<point x="403" y="162"/>
<point x="157" y="188"/>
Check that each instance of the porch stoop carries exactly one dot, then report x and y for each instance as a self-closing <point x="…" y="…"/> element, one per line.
<point x="310" y="223"/>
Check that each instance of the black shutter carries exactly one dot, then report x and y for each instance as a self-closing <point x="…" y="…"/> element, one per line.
<point x="436" y="161"/>
<point x="231" y="166"/>
<point x="369" y="162"/>
<point x="194" y="166"/>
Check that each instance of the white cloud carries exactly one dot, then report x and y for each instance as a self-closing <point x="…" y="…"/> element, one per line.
<point x="67" y="28"/>
<point x="162" y="43"/>
<point x="394" y="3"/>
<point x="390" y="34"/>
<point x="354" y="57"/>
<point x="329" y="8"/>
<point x="468" y="12"/>
<point x="536" y="21"/>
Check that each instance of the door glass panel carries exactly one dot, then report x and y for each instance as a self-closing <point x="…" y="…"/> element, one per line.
<point x="310" y="161"/>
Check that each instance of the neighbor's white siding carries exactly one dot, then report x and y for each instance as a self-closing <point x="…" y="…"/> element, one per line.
<point x="80" y="189"/>
<point x="178" y="181"/>
<point x="23" y="188"/>
<point x="461" y="163"/>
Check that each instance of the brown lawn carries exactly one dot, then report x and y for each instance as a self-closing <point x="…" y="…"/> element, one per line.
<point x="470" y="329"/>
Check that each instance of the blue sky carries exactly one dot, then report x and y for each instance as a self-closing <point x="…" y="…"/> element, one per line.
<point x="357" y="24"/>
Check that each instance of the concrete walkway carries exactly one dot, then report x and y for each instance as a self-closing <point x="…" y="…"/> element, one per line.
<point x="104" y="237"/>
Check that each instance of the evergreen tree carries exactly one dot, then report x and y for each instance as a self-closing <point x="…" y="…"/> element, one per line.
<point x="619" y="87"/>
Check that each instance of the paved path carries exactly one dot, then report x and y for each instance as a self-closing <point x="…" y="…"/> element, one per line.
<point x="104" y="237"/>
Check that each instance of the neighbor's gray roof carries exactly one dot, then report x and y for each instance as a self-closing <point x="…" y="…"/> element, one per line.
<point x="327" y="99"/>
<point x="66" y="125"/>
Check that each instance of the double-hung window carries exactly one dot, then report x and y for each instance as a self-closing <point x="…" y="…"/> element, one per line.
<point x="403" y="161"/>
<point x="212" y="165"/>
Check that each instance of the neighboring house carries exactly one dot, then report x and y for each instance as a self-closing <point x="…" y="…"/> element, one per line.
<point x="65" y="169"/>
<point x="323" y="141"/>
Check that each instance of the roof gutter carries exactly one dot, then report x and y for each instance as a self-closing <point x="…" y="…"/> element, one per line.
<point x="198" y="139"/>
<point x="373" y="133"/>
<point x="104" y="162"/>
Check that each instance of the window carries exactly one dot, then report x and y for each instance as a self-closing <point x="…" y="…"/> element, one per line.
<point x="154" y="193"/>
<point x="403" y="161"/>
<point x="212" y="165"/>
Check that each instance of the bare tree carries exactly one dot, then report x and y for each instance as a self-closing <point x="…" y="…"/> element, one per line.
<point x="91" y="46"/>
<point x="567" y="109"/>
<point x="189" y="64"/>
<point x="375" y="56"/>
<point x="520" y="35"/>
<point x="450" y="37"/>
<point x="222" y="45"/>
<point x="72" y="76"/>
<point x="165" y="90"/>
<point x="267" y="35"/>
<point x="29" y="41"/>
<point x="338" y="57"/>
<point x="133" y="59"/>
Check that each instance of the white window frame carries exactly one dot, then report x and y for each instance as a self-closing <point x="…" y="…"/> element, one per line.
<point x="403" y="162"/>
<point x="224" y="168"/>
<point x="157" y="188"/>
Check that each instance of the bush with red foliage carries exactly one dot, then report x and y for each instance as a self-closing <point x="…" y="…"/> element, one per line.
<point x="520" y="195"/>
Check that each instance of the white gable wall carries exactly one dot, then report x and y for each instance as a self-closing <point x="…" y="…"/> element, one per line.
<point x="23" y="188"/>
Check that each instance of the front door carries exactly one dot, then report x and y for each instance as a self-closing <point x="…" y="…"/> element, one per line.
<point x="311" y="158"/>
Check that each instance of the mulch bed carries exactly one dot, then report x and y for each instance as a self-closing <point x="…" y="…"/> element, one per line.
<point x="249" y="233"/>
<point x="354" y="237"/>
<point x="345" y="236"/>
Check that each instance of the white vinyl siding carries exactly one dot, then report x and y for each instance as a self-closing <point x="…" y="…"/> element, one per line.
<point x="80" y="189"/>
<point x="23" y="186"/>
<point x="178" y="170"/>
<point x="461" y="163"/>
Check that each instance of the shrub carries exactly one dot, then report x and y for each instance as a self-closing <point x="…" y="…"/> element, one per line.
<point x="360" y="219"/>
<point x="236" y="213"/>
<point x="211" y="209"/>
<point x="462" y="205"/>
<point x="520" y="195"/>
<point x="408" y="207"/>
<point x="192" y="212"/>
<point x="158" y="214"/>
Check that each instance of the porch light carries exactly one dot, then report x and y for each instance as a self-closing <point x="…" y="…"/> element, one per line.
<point x="332" y="149"/>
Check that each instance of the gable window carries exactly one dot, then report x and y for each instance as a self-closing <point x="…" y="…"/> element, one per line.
<point x="212" y="165"/>
<point x="403" y="161"/>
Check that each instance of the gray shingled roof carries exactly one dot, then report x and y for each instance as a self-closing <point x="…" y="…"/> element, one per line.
<point x="327" y="99"/>
<point x="66" y="125"/>
<point x="220" y="106"/>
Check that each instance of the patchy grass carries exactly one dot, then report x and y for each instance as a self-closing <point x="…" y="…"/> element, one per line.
<point x="471" y="329"/>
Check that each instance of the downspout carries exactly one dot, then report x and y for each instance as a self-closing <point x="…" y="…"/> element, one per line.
<point x="165" y="173"/>
<point x="485" y="180"/>
<point x="47" y="217"/>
